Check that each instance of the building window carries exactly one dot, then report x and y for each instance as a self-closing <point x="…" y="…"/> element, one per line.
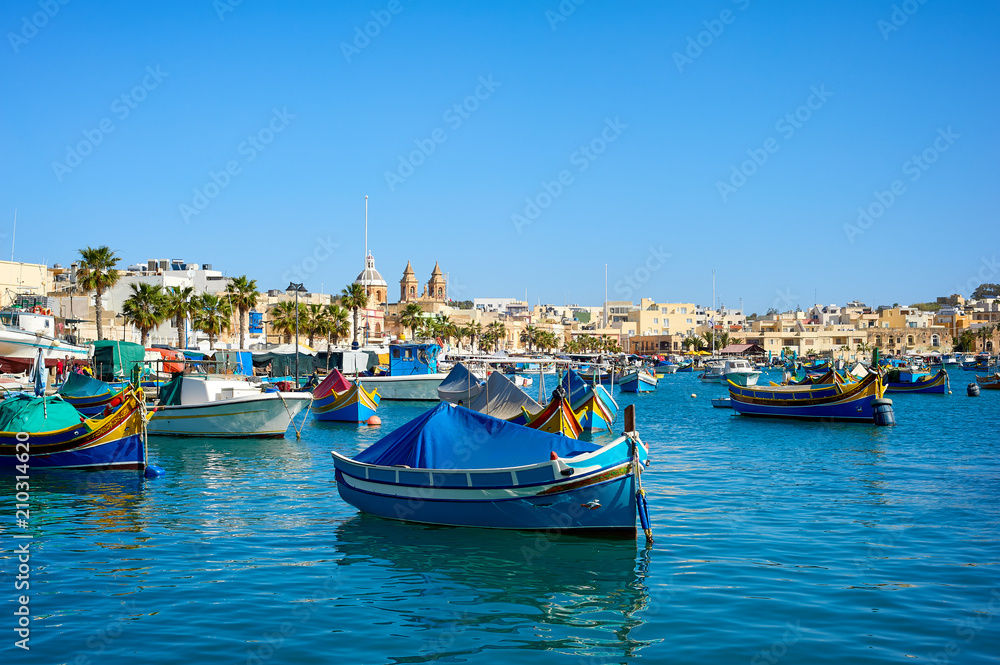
<point x="411" y="290"/>
<point x="909" y="340"/>
<point x="935" y="340"/>
<point x="684" y="310"/>
<point x="656" y="320"/>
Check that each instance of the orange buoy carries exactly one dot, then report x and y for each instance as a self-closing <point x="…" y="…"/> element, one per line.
<point x="374" y="420"/>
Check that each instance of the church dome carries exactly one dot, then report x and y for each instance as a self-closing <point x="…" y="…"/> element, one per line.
<point x="370" y="276"/>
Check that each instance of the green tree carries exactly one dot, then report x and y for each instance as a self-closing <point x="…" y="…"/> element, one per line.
<point x="283" y="318"/>
<point x="411" y="317"/>
<point x="709" y="340"/>
<point x="242" y="295"/>
<point x="144" y="308"/>
<point x="528" y="336"/>
<point x="97" y="273"/>
<point x="475" y="330"/>
<point x="354" y="298"/>
<point x="177" y="306"/>
<point x="212" y="316"/>
<point x="340" y="323"/>
<point x="986" y="291"/>
<point x="315" y="322"/>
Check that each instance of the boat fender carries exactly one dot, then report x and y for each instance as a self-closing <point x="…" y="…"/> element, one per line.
<point x="973" y="390"/>
<point x="883" y="414"/>
<point x="153" y="471"/>
<point x="374" y="421"/>
<point x="553" y="456"/>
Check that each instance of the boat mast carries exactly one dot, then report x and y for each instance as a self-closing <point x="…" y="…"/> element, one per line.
<point x="13" y="236"/>
<point x="713" y="314"/>
<point x="365" y="273"/>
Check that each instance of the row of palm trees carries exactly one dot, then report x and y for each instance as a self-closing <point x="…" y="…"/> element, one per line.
<point x="709" y="340"/>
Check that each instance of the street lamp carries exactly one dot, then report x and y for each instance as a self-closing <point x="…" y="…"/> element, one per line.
<point x="297" y="288"/>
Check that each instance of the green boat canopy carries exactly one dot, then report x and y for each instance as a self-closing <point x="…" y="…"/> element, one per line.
<point x="34" y="415"/>
<point x="113" y="359"/>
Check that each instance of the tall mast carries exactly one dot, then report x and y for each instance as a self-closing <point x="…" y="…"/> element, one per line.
<point x="713" y="313"/>
<point x="13" y="236"/>
<point x="605" y="325"/>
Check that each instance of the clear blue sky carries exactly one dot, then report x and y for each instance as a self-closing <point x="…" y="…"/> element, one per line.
<point x="670" y="129"/>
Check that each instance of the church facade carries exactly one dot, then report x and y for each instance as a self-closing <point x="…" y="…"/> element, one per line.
<point x="434" y="291"/>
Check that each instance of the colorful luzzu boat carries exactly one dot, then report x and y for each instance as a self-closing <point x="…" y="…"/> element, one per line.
<point x="90" y="396"/>
<point x="639" y="381"/>
<point x="556" y="418"/>
<point x="592" y="404"/>
<point x="456" y="467"/>
<point x="336" y="398"/>
<point x="49" y="432"/>
<point x="928" y="384"/>
<point x="856" y="402"/>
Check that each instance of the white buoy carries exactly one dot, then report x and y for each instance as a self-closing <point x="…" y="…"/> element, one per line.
<point x="693" y="395"/>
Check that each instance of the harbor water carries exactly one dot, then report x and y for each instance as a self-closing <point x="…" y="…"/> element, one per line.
<point x="774" y="542"/>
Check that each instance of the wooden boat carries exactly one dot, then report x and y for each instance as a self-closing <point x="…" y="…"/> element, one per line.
<point x="686" y="368"/>
<point x="213" y="406"/>
<point x="935" y="384"/>
<point x="638" y="381"/>
<point x="596" y="376"/>
<point x="460" y="386"/>
<point x="556" y="418"/>
<point x="593" y="405"/>
<point x="48" y="432"/>
<point x="721" y="403"/>
<point x="455" y="467"/>
<point x="828" y="402"/>
<point x="90" y="396"/>
<point x="413" y="373"/>
<point x="989" y="382"/>
<point x="338" y="399"/>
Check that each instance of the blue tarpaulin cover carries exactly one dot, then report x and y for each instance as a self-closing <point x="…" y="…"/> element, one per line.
<point x="81" y="385"/>
<point x="453" y="437"/>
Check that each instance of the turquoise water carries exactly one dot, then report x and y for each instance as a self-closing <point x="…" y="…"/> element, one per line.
<point x="774" y="542"/>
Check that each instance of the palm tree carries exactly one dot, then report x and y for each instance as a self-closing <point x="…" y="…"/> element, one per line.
<point x="411" y="317"/>
<point x="212" y="315"/>
<point x="144" y="308"/>
<point x="709" y="337"/>
<point x="694" y="343"/>
<point x="354" y="298"/>
<point x="339" y="325"/>
<point x="528" y="336"/>
<point x="283" y="318"/>
<point x="475" y="330"/>
<point x="97" y="273"/>
<point x="445" y="328"/>
<point x="177" y="306"/>
<point x="315" y="322"/>
<point x="461" y="332"/>
<point x="724" y="340"/>
<point x="242" y="295"/>
<point x="499" y="331"/>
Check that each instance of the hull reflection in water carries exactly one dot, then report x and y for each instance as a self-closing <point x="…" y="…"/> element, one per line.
<point x="497" y="580"/>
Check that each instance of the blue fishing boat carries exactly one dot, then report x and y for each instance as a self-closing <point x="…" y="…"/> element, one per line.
<point x="90" y="396"/>
<point x="48" y="432"/>
<point x="453" y="466"/>
<point x="638" y="381"/>
<point x="593" y="405"/>
<point x="338" y="399"/>
<point x="856" y="402"/>
<point x="922" y="383"/>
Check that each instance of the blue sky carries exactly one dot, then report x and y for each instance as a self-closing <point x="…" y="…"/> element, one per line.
<point x="666" y="140"/>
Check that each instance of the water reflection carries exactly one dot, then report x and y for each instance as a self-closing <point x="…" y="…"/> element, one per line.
<point x="102" y="502"/>
<point x="485" y="589"/>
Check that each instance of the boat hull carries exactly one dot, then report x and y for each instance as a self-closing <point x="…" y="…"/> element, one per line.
<point x="637" y="382"/>
<point x="933" y="385"/>
<point x="416" y="387"/>
<point x="262" y="416"/>
<point x="352" y="406"/>
<point x="596" y="497"/>
<point x="827" y="403"/>
<point x="114" y="442"/>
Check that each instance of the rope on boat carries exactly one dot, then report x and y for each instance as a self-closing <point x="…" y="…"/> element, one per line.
<point x="298" y="430"/>
<point x="640" y="494"/>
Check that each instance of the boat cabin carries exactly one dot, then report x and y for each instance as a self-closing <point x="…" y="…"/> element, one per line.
<point x="39" y="324"/>
<point x="410" y="359"/>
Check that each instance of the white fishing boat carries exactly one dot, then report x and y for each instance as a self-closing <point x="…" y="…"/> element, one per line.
<point x="22" y="334"/>
<point x="740" y="372"/>
<point x="715" y="372"/>
<point x="413" y="373"/>
<point x="223" y="406"/>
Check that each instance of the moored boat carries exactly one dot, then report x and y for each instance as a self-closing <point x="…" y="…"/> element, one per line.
<point x="213" y="406"/>
<point x="48" y="432"/>
<point x="557" y="417"/>
<point x="455" y="467"/>
<point x="858" y="402"/>
<point x="740" y="372"/>
<point x="638" y="381"/>
<point x="413" y="373"/>
<point x="338" y="399"/>
<point x="923" y="383"/>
